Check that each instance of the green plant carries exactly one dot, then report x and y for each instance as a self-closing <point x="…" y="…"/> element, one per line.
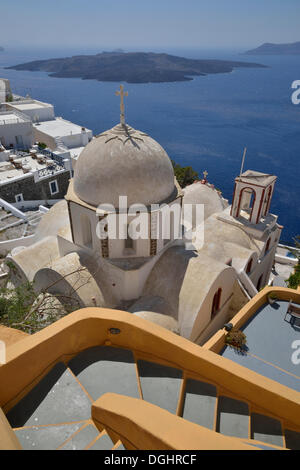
<point x="236" y="339"/>
<point x="42" y="145"/>
<point x="296" y="252"/>
<point x="185" y="175"/>
<point x="9" y="98"/>
<point x="293" y="281"/>
<point x="272" y="295"/>
<point x="23" y="308"/>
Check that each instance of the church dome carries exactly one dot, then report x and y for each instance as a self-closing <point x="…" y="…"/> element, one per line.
<point x="126" y="162"/>
<point x="198" y="193"/>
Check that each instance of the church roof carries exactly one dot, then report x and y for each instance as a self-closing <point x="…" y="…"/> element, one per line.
<point x="126" y="162"/>
<point x="256" y="177"/>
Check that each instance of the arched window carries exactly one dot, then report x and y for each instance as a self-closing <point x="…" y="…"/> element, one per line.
<point x="249" y="266"/>
<point x="246" y="202"/>
<point x="216" y="303"/>
<point x="267" y="246"/>
<point x="129" y="243"/>
<point x="268" y="200"/>
<point x="259" y="283"/>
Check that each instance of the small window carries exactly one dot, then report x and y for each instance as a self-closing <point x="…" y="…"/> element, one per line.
<point x="268" y="246"/>
<point x="249" y="267"/>
<point x="216" y="303"/>
<point x="19" y="198"/>
<point x="259" y="282"/>
<point x="129" y="242"/>
<point x="53" y="187"/>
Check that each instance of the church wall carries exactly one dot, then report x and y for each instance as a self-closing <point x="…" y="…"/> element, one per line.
<point x="169" y="223"/>
<point x="135" y="280"/>
<point x="264" y="268"/>
<point x="202" y="280"/>
<point x="267" y="260"/>
<point x="129" y="284"/>
<point x="117" y="247"/>
<point x="80" y="215"/>
<point x="235" y="302"/>
<point x="225" y="281"/>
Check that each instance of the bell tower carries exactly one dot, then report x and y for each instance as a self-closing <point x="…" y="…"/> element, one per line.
<point x="252" y="196"/>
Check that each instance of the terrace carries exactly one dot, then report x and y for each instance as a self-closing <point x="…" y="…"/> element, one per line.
<point x="273" y="337"/>
<point x="270" y="339"/>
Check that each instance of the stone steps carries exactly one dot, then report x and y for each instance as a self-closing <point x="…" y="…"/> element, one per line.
<point x="57" y="412"/>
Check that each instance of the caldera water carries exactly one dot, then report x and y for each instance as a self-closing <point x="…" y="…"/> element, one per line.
<point x="205" y="123"/>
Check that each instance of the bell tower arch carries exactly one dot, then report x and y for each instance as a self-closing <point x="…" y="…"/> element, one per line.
<point x="252" y="196"/>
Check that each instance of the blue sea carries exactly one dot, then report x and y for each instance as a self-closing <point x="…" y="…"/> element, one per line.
<point x="205" y="123"/>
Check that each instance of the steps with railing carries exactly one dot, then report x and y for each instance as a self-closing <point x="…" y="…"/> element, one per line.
<point x="56" y="413"/>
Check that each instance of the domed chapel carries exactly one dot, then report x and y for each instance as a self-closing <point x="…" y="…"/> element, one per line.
<point x="192" y="289"/>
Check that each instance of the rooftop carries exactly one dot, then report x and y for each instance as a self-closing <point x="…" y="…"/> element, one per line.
<point x="29" y="104"/>
<point x="257" y="177"/>
<point x="59" y="127"/>
<point x="24" y="164"/>
<point x="269" y="341"/>
<point x="12" y="117"/>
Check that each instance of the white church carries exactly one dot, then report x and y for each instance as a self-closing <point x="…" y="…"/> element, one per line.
<point x="193" y="291"/>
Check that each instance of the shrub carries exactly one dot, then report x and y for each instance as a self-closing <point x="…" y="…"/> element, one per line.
<point x="294" y="279"/>
<point x="185" y="175"/>
<point x="236" y="339"/>
<point x="42" y="145"/>
<point x="272" y="295"/>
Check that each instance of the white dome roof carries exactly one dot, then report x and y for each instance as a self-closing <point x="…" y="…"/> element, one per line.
<point x="126" y="162"/>
<point x="198" y="193"/>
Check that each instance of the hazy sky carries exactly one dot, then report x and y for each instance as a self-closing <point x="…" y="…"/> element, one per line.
<point x="148" y="23"/>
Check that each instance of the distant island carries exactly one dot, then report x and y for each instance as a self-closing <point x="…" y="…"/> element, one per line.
<point x="276" y="49"/>
<point x="131" y="67"/>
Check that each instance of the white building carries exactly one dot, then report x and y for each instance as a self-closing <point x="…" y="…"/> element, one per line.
<point x="59" y="132"/>
<point x="37" y="111"/>
<point x="5" y="91"/>
<point x="192" y="291"/>
<point x="16" y="130"/>
<point x="28" y="179"/>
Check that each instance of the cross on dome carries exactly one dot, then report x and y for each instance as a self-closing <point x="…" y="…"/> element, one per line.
<point x="122" y="93"/>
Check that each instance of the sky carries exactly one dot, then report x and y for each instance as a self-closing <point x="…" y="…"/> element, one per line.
<point x="148" y="24"/>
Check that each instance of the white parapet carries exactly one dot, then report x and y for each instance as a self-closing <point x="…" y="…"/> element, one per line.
<point x="286" y="260"/>
<point x="9" y="207"/>
<point x="247" y="283"/>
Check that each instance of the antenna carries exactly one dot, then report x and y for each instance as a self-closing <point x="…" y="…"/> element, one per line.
<point x="243" y="160"/>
